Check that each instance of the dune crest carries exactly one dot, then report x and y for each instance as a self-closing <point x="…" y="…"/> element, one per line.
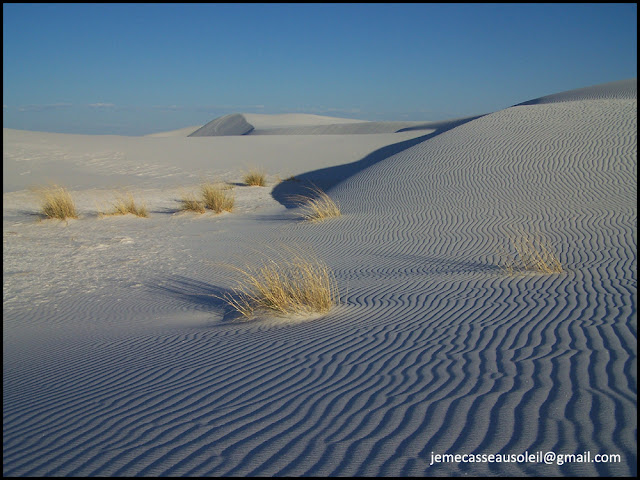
<point x="232" y="124"/>
<point x="621" y="90"/>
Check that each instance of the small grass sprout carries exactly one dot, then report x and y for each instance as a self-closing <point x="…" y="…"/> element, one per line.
<point x="289" y="178"/>
<point x="189" y="203"/>
<point x="530" y="254"/>
<point x="255" y="177"/>
<point x="125" y="204"/>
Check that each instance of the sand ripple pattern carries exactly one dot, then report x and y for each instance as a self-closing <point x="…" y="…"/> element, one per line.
<point x="431" y="350"/>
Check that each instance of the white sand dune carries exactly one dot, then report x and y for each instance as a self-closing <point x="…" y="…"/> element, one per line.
<point x="236" y="124"/>
<point x="97" y="161"/>
<point x="120" y="360"/>
<point x="300" y="124"/>
<point x="233" y="124"/>
<point x="255" y="123"/>
<point x="263" y="121"/>
<point x="622" y="89"/>
<point x="180" y="132"/>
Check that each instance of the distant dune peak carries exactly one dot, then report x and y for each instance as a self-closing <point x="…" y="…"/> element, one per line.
<point x="232" y="124"/>
<point x="622" y="89"/>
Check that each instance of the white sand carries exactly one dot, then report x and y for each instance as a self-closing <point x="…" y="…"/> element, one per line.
<point x="181" y="132"/>
<point x="119" y="360"/>
<point x="245" y="124"/>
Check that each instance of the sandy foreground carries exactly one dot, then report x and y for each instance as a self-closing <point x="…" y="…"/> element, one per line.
<point x="120" y="360"/>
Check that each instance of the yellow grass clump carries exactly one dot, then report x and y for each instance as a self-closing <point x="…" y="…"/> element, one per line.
<point x="290" y="178"/>
<point x="126" y="204"/>
<point x="189" y="202"/>
<point x="57" y="203"/>
<point x="255" y="177"/>
<point x="294" y="283"/>
<point x="316" y="207"/>
<point x="530" y="254"/>
<point x="216" y="198"/>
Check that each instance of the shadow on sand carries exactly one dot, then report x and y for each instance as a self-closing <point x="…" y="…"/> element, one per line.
<point x="202" y="295"/>
<point x="326" y="178"/>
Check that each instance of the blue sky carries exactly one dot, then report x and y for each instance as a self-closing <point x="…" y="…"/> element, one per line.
<point x="133" y="69"/>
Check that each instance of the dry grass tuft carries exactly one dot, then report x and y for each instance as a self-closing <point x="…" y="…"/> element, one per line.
<point x="190" y="203"/>
<point x="57" y="203"/>
<point x="255" y="177"/>
<point x="532" y="254"/>
<point x="289" y="178"/>
<point x="296" y="284"/>
<point x="126" y="204"/>
<point x="216" y="198"/>
<point x="316" y="207"/>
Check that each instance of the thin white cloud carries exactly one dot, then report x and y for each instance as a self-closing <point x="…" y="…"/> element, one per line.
<point x="43" y="107"/>
<point x="102" y="105"/>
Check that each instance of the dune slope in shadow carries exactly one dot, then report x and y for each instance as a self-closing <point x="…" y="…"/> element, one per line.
<point x="327" y="178"/>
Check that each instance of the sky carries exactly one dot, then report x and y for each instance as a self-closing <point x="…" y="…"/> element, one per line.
<point x="135" y="69"/>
